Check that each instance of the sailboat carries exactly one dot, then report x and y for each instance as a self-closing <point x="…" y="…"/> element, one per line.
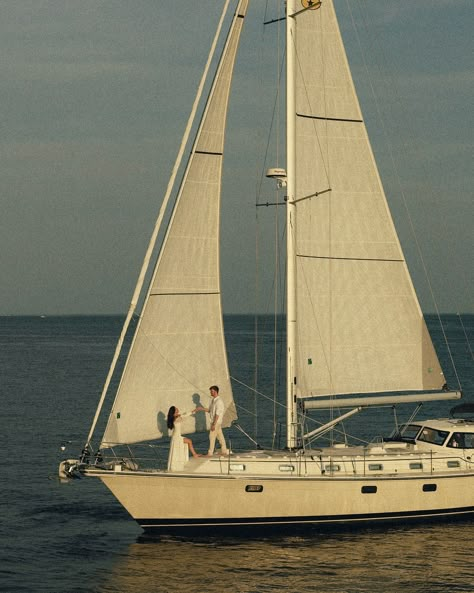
<point x="356" y="336"/>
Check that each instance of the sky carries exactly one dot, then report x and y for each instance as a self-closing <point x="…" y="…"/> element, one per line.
<point x="94" y="99"/>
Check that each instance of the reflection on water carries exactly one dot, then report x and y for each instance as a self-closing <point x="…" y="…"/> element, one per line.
<point x="434" y="559"/>
<point x="75" y="538"/>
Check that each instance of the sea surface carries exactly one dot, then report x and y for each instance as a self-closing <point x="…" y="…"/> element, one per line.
<point x="75" y="537"/>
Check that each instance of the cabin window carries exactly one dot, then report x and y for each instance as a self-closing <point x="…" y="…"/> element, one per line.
<point x="429" y="487"/>
<point x="253" y="488"/>
<point x="431" y="435"/>
<point x="332" y="467"/>
<point x="375" y="467"/>
<point x="286" y="468"/>
<point x="368" y="489"/>
<point x="408" y="431"/>
<point x="237" y="467"/>
<point x="454" y="464"/>
<point x="461" y="440"/>
<point x="416" y="465"/>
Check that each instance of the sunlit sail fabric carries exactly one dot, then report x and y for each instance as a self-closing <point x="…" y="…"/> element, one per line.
<point x="178" y="351"/>
<point x="359" y="324"/>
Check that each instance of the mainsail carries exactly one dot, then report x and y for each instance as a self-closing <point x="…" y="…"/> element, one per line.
<point x="178" y="350"/>
<point x="359" y="326"/>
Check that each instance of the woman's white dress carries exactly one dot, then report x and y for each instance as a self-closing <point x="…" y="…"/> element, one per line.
<point x="179" y="450"/>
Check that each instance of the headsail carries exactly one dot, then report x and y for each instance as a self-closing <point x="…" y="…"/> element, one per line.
<point x="178" y="350"/>
<point x="359" y="325"/>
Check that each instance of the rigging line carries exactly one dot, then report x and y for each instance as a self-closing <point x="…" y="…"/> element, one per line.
<point x="154" y="236"/>
<point x="259" y="176"/>
<point x="275" y="307"/>
<point x="275" y="324"/>
<point x="238" y="427"/>
<point x="274" y="124"/>
<point x="402" y="191"/>
<point x="315" y="195"/>
<point x="308" y="101"/>
<point x="256" y="326"/>
<point x="276" y="248"/>
<point x="241" y="408"/>
<point x="274" y="118"/>
<point x="267" y="397"/>
<point x="270" y="399"/>
<point x="301" y="414"/>
<point x="466" y="336"/>
<point x="326" y="361"/>
<point x="315" y="317"/>
<point x="273" y="288"/>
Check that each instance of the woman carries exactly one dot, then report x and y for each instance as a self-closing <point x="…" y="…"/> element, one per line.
<point x="179" y="445"/>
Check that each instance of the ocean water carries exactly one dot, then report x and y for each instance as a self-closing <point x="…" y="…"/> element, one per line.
<point x="75" y="538"/>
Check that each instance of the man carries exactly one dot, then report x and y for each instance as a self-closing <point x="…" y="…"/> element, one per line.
<point x="216" y="413"/>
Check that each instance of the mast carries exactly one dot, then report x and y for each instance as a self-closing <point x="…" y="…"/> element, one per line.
<point x="291" y="410"/>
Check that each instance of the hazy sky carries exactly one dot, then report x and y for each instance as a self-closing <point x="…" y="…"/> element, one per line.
<point x="94" y="99"/>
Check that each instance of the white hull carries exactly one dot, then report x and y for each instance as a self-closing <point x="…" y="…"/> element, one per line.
<point x="170" y="502"/>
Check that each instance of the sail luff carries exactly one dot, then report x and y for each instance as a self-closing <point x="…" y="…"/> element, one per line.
<point x="179" y="349"/>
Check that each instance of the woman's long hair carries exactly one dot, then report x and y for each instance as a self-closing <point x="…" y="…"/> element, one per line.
<point x="170" y="419"/>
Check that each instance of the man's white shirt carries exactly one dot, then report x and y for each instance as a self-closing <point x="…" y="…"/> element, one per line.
<point x="216" y="409"/>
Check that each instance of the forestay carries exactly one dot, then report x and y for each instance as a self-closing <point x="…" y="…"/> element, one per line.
<point x="179" y="350"/>
<point x="359" y="325"/>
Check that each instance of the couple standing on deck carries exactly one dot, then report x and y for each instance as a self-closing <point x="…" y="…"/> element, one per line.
<point x="179" y="445"/>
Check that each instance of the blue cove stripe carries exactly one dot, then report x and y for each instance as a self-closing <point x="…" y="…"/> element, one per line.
<point x="177" y="524"/>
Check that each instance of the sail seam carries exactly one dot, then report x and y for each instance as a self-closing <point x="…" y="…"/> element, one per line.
<point x="375" y="259"/>
<point x="194" y="292"/>
<point x="343" y="119"/>
<point x="209" y="152"/>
